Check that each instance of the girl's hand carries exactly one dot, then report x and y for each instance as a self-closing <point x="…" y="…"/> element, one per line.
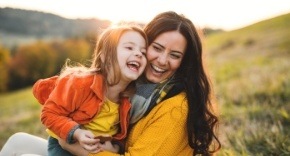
<point x="76" y="148"/>
<point x="87" y="141"/>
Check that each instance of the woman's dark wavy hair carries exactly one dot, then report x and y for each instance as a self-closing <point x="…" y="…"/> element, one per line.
<point x="201" y="122"/>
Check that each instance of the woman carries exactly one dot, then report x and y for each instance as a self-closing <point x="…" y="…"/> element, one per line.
<point x="178" y="119"/>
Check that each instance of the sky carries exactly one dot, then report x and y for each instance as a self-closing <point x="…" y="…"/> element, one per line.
<point x="217" y="14"/>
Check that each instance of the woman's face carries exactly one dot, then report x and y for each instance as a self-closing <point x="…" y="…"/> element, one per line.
<point x="164" y="56"/>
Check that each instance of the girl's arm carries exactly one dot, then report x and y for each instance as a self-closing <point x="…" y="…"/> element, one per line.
<point x="61" y="106"/>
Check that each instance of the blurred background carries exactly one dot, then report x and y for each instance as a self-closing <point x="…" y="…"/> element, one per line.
<point x="246" y="44"/>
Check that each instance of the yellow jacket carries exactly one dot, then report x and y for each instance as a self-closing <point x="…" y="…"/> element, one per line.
<point x="161" y="133"/>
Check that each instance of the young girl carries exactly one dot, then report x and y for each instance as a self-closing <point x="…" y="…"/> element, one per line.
<point x="84" y="103"/>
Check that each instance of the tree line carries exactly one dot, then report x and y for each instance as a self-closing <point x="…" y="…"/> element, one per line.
<point x="41" y="24"/>
<point x="21" y="66"/>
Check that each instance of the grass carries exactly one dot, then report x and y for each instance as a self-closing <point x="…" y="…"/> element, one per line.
<point x="253" y="95"/>
<point x="19" y="111"/>
<point x="250" y="69"/>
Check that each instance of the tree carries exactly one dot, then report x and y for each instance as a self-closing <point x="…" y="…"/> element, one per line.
<point x="30" y="63"/>
<point x="77" y="50"/>
<point x="4" y="60"/>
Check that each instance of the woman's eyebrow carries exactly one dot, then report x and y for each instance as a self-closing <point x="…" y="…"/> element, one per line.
<point x="176" y="51"/>
<point x="159" y="45"/>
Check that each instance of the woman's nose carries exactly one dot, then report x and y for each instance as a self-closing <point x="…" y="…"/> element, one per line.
<point x="162" y="58"/>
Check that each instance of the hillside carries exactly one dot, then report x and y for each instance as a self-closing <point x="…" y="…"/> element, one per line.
<point x="268" y="36"/>
<point x="250" y="71"/>
<point x="265" y="44"/>
<point x="18" y="25"/>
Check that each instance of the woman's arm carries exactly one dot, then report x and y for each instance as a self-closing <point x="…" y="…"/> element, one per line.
<point x="161" y="132"/>
<point x="79" y="150"/>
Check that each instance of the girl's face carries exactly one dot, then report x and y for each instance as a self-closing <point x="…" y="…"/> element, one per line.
<point x="164" y="56"/>
<point x="131" y="51"/>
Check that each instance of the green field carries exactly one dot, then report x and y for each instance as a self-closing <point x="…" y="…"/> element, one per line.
<point x="250" y="71"/>
<point x="19" y="111"/>
<point x="249" y="68"/>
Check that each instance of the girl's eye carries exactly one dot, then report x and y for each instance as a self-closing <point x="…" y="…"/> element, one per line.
<point x="129" y="48"/>
<point x="143" y="53"/>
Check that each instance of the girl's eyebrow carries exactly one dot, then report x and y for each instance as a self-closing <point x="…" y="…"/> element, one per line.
<point x="129" y="42"/>
<point x="164" y="48"/>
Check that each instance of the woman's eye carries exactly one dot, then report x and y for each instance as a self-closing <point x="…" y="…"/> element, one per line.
<point x="157" y="48"/>
<point x="175" y="56"/>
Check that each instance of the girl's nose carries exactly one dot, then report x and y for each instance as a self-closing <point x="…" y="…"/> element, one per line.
<point x="138" y="53"/>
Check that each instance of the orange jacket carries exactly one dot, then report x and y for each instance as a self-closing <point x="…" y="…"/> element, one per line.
<point x="73" y="100"/>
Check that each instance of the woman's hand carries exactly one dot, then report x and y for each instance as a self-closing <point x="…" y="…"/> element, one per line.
<point x="108" y="146"/>
<point x="75" y="148"/>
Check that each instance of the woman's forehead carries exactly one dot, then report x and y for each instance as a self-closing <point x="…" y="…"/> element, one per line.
<point x="173" y="40"/>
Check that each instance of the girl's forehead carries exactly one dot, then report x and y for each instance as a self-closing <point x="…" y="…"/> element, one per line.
<point x="131" y="37"/>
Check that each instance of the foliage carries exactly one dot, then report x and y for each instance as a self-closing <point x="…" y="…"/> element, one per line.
<point x="75" y="49"/>
<point x="42" y="59"/>
<point x="4" y="60"/>
<point x="31" y="62"/>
